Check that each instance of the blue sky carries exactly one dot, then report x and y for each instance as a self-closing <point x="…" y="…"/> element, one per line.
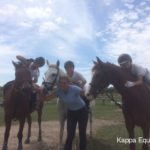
<point x="77" y="30"/>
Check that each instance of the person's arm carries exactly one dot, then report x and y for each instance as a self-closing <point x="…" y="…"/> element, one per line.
<point x="81" y="80"/>
<point x="140" y="72"/>
<point x="50" y="96"/>
<point x="79" y="90"/>
<point x="21" y="58"/>
<point x="82" y="92"/>
<point x="139" y="81"/>
<point x="35" y="75"/>
<point x="134" y="83"/>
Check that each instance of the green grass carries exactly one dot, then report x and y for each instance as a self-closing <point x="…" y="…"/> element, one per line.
<point x="49" y="113"/>
<point x="106" y="137"/>
<point x="107" y="111"/>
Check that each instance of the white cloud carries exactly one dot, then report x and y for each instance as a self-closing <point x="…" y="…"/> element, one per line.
<point x="129" y="6"/>
<point x="26" y="25"/>
<point x="64" y="52"/>
<point x="128" y="1"/>
<point x="7" y="12"/>
<point x="60" y="20"/>
<point x="108" y="2"/>
<point x="6" y="50"/>
<point x="7" y="54"/>
<point x="130" y="34"/>
<point x="38" y="12"/>
<point x="47" y="26"/>
<point x="99" y="34"/>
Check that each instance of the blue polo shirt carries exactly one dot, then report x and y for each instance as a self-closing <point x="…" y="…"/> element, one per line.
<point x="72" y="97"/>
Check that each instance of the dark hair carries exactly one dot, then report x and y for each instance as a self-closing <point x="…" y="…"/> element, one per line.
<point x="40" y="61"/>
<point x="68" y="63"/>
<point x="64" y="77"/>
<point x="124" y="58"/>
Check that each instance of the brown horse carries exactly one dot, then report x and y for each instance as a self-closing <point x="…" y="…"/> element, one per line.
<point x="17" y="99"/>
<point x="40" y="99"/>
<point x="136" y="100"/>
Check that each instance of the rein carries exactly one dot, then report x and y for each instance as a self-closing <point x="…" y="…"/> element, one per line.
<point x="51" y="85"/>
<point x="111" y="97"/>
<point x="55" y="80"/>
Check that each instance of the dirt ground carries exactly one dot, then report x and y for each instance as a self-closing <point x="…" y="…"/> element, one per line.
<point x="50" y="131"/>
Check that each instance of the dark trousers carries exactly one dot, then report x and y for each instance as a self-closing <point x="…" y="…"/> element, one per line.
<point x="74" y="117"/>
<point x="87" y="102"/>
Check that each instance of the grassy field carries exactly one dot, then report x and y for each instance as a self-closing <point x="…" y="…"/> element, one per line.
<point x="105" y="137"/>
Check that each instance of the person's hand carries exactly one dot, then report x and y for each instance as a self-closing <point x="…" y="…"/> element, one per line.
<point x="89" y="97"/>
<point x="79" y="82"/>
<point x="129" y="84"/>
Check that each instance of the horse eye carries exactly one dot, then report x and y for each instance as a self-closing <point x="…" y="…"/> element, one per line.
<point x="90" y="83"/>
<point x="53" y="75"/>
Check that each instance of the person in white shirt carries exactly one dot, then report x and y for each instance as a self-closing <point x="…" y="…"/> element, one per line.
<point x="33" y="65"/>
<point x="142" y="74"/>
<point x="76" y="78"/>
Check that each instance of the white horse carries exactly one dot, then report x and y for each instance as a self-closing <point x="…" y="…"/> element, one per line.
<point x="51" y="78"/>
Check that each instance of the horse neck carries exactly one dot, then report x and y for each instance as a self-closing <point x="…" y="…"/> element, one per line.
<point x="117" y="77"/>
<point x="61" y="72"/>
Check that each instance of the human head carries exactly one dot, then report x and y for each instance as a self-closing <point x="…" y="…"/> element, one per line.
<point x="125" y="61"/>
<point x="63" y="83"/>
<point x="40" y="61"/>
<point x="69" y="67"/>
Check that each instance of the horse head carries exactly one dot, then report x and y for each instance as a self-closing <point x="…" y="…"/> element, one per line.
<point x="107" y="73"/>
<point x="99" y="79"/>
<point x="52" y="76"/>
<point x="23" y="78"/>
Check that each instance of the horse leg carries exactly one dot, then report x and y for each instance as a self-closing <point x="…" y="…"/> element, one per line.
<point x="39" y="123"/>
<point x="91" y="121"/>
<point x="20" y="133"/>
<point x="62" y="119"/>
<point x="7" y="131"/>
<point x="130" y="129"/>
<point x="145" y="130"/>
<point x="29" y="120"/>
<point x="90" y="110"/>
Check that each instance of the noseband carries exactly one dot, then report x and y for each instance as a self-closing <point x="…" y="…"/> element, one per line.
<point x="49" y="86"/>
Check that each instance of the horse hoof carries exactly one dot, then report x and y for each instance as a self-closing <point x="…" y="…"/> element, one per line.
<point x="27" y="141"/>
<point x="60" y="147"/>
<point x="5" y="147"/>
<point x="19" y="147"/>
<point x="39" y="139"/>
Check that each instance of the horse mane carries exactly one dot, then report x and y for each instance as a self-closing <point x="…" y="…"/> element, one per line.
<point x="138" y="93"/>
<point x="126" y="75"/>
<point x="53" y="66"/>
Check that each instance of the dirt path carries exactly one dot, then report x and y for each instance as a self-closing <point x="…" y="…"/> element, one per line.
<point x="50" y="135"/>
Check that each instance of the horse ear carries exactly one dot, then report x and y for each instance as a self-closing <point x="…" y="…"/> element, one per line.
<point x="47" y="62"/>
<point x="14" y="63"/>
<point x="58" y="63"/>
<point x="94" y="62"/>
<point x="98" y="60"/>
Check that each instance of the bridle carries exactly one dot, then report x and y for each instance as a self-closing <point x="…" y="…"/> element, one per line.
<point x="48" y="86"/>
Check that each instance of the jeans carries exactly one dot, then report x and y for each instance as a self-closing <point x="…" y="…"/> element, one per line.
<point x="73" y="117"/>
